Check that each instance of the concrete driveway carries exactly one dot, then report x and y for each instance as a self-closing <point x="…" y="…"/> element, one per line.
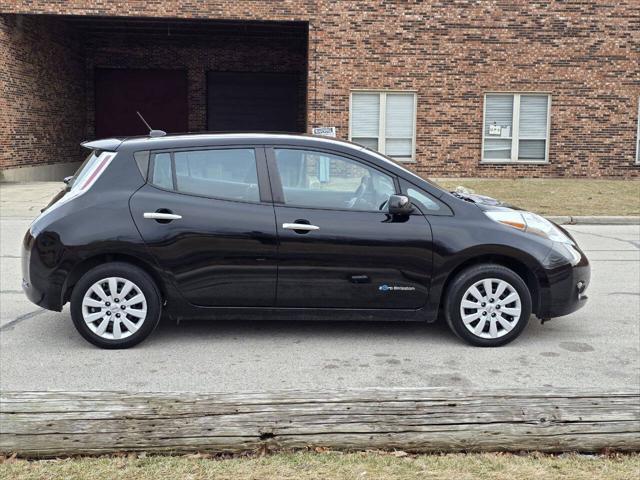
<point x="597" y="347"/>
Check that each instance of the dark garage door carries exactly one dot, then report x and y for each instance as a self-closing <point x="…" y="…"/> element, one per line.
<point x="160" y="95"/>
<point x="255" y="102"/>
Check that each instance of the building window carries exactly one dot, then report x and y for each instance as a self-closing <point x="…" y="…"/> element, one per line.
<point x="384" y="121"/>
<point x="516" y="127"/>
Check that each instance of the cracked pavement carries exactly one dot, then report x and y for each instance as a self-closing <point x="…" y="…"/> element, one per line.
<point x="596" y="348"/>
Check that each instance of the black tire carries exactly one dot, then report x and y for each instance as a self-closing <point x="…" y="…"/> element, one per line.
<point x="470" y="276"/>
<point x="142" y="281"/>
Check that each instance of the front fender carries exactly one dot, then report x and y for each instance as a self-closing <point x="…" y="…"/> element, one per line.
<point x="469" y="242"/>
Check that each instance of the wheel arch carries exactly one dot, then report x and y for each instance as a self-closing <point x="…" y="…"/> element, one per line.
<point x="87" y="264"/>
<point x="524" y="270"/>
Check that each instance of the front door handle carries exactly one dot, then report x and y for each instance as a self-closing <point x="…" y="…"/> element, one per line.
<point x="305" y="227"/>
<point x="162" y="216"/>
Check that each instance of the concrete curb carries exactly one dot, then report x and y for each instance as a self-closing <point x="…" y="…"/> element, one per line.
<point x="595" y="220"/>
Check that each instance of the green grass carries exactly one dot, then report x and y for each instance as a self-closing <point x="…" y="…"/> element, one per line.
<point x="558" y="196"/>
<point x="330" y="466"/>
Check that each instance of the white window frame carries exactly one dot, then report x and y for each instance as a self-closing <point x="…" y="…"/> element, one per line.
<point x="638" y="136"/>
<point x="515" y="129"/>
<point x="382" y="120"/>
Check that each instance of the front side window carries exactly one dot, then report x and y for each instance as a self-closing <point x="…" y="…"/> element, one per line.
<point x="323" y="180"/>
<point x="423" y="200"/>
<point x="222" y="173"/>
<point x="516" y="127"/>
<point x="385" y="122"/>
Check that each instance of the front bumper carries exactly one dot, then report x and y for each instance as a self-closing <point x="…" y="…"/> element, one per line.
<point x="567" y="285"/>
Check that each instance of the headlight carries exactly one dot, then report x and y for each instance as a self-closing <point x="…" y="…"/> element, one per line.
<point x="530" y="223"/>
<point x="574" y="255"/>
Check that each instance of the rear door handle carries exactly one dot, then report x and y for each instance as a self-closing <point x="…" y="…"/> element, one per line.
<point x="161" y="216"/>
<point x="300" y="226"/>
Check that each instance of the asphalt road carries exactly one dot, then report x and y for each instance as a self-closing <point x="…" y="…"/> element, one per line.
<point x="597" y="347"/>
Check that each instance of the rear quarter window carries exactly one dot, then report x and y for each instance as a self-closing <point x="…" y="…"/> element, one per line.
<point x="93" y="166"/>
<point x="162" y="171"/>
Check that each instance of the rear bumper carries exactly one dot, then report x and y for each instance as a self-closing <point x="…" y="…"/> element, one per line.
<point x="37" y="283"/>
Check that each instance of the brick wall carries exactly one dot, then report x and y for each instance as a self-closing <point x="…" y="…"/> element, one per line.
<point x="585" y="54"/>
<point x="42" y="92"/>
<point x="197" y="56"/>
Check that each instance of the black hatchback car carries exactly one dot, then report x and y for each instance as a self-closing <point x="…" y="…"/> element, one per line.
<point x="270" y="226"/>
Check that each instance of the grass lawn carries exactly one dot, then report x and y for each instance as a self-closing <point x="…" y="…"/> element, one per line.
<point x="331" y="466"/>
<point x="558" y="196"/>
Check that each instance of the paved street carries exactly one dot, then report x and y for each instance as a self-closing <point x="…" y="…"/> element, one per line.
<point x="597" y="347"/>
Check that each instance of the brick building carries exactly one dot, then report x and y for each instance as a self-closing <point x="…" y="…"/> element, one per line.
<point x="454" y="88"/>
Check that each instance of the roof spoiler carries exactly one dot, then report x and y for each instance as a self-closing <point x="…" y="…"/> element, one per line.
<point x="108" y="144"/>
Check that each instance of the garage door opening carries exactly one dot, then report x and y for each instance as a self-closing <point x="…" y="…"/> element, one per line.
<point x="195" y="75"/>
<point x="87" y="76"/>
<point x="258" y="102"/>
<point x="160" y="95"/>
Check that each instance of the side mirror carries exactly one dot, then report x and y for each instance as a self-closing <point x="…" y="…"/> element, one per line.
<point x="400" y="205"/>
<point x="68" y="179"/>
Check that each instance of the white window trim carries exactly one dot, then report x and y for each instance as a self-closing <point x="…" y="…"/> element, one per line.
<point x="515" y="127"/>
<point x="638" y="136"/>
<point x="382" y="120"/>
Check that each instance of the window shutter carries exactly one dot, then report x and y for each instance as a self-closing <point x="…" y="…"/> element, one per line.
<point x="533" y="116"/>
<point x="365" y="115"/>
<point x="496" y="149"/>
<point x="533" y="127"/>
<point x="399" y="125"/>
<point x="498" y="111"/>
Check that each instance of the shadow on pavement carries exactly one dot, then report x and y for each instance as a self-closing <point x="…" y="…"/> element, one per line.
<point x="200" y="330"/>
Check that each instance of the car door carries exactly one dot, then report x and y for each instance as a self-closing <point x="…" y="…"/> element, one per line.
<point x="207" y="217"/>
<point x="338" y="245"/>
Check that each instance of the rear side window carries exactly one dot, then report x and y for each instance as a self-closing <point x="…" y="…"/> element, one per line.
<point x="229" y="174"/>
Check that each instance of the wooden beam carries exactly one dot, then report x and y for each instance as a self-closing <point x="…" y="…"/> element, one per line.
<point x="47" y="424"/>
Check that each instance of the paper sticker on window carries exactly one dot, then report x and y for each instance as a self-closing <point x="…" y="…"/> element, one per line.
<point x="495" y="129"/>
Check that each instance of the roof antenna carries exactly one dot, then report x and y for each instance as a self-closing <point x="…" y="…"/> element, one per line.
<point x="152" y="132"/>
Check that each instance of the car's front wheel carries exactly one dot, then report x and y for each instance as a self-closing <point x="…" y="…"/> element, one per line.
<point x="488" y="305"/>
<point x="115" y="305"/>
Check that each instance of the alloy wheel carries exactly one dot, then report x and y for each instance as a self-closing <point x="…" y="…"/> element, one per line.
<point x="114" y="308"/>
<point x="490" y="308"/>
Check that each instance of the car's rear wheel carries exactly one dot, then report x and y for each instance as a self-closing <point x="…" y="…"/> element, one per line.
<point x="488" y="305"/>
<point x="115" y="305"/>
